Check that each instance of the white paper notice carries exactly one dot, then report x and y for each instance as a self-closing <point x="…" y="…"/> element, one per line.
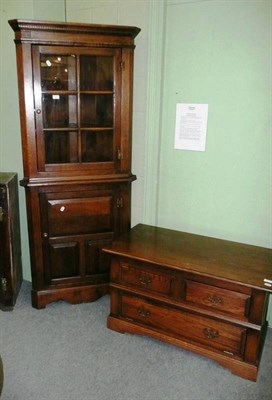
<point x="191" y="126"/>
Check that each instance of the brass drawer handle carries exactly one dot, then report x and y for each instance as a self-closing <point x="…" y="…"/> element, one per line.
<point x="4" y="284"/>
<point x="143" y="312"/>
<point x="145" y="280"/>
<point x="210" y="333"/>
<point x="215" y="300"/>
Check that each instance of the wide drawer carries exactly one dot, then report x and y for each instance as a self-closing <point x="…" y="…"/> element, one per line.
<point x="228" y="301"/>
<point x="218" y="335"/>
<point x="145" y="278"/>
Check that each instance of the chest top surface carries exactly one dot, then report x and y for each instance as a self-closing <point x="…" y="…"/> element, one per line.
<point x="235" y="262"/>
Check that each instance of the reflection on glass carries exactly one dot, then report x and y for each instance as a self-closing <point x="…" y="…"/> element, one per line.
<point x="58" y="72"/>
<point x="59" y="111"/>
<point x="96" y="110"/>
<point x="77" y="127"/>
<point x="60" y="147"/>
<point x="96" y="73"/>
<point x="97" y="146"/>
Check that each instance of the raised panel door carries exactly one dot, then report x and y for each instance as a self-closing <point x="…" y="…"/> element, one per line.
<point x="75" y="227"/>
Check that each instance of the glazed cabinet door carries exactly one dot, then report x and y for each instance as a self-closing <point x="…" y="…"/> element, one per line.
<point x="75" y="227"/>
<point x="77" y="108"/>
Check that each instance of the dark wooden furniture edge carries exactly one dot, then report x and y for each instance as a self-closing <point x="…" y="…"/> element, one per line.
<point x="237" y="367"/>
<point x="84" y="180"/>
<point x="26" y="24"/>
<point x="72" y="295"/>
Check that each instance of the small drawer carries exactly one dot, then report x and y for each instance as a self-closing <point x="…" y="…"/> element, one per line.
<point x="220" y="336"/>
<point x="219" y="299"/>
<point x="145" y="278"/>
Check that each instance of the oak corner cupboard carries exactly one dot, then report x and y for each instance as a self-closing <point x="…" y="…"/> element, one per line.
<point x="75" y="91"/>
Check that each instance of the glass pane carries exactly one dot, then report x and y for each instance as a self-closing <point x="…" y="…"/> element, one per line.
<point x="97" y="146"/>
<point x="59" y="111"/>
<point x="60" y="147"/>
<point x="96" y="73"/>
<point x="58" y="72"/>
<point x="96" y="110"/>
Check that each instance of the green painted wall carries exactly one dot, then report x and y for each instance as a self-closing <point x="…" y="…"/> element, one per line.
<point x="49" y="10"/>
<point x="10" y="137"/>
<point x="219" y="52"/>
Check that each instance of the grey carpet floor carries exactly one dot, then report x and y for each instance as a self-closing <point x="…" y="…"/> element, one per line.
<point x="65" y="352"/>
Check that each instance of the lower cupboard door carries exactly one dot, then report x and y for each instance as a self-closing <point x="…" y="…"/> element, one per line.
<point x="221" y="336"/>
<point x="62" y="261"/>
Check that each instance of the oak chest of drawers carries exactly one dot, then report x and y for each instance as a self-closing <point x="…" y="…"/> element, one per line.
<point x="203" y="294"/>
